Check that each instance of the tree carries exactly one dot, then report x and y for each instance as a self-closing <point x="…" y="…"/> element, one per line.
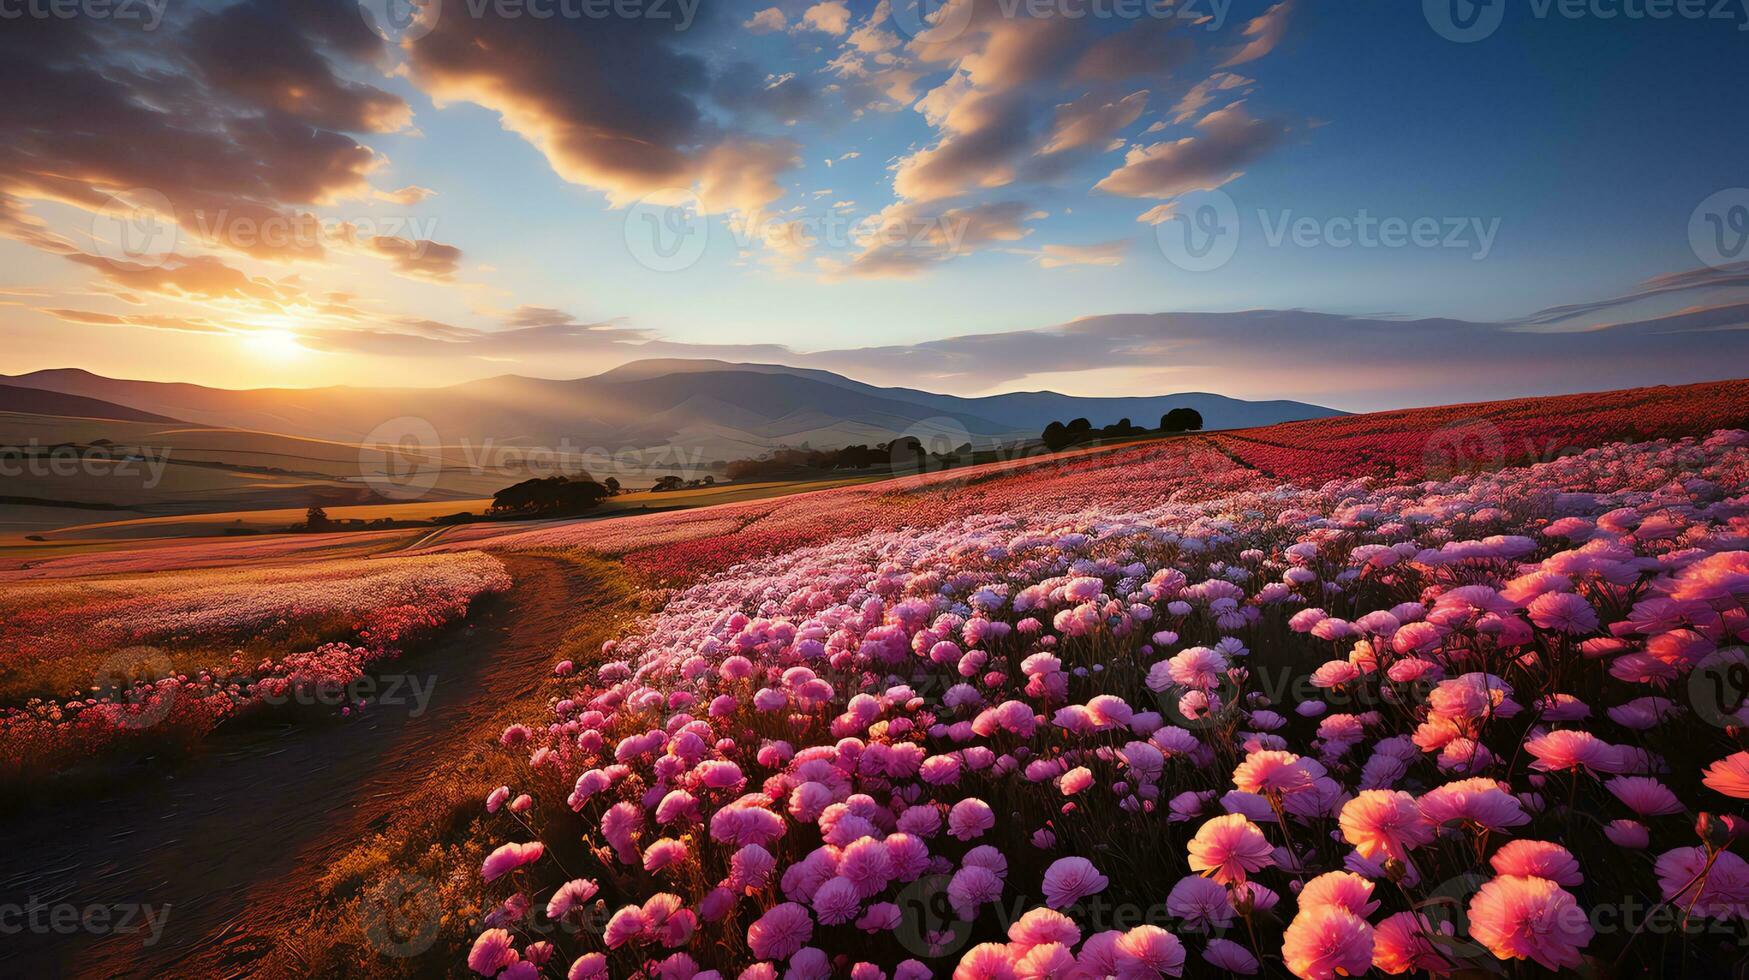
<point x="668" y="484"/>
<point x="552" y="496"/>
<point x="1182" y="420"/>
<point x="316" y="519"/>
<point x="1055" y="436"/>
<point x="612" y="485"/>
<point x="1079" y="427"/>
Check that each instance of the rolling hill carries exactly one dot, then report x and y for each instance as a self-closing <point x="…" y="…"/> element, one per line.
<point x="713" y="409"/>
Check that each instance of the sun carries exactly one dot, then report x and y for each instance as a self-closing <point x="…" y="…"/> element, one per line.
<point x="274" y="343"/>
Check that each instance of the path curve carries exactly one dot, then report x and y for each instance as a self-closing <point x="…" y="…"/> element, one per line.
<point x="256" y="818"/>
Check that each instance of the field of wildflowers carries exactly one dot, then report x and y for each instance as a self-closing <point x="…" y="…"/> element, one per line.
<point x="1161" y="714"/>
<point x="89" y="665"/>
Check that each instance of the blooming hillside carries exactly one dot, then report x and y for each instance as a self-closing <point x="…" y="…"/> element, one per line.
<point x="1155" y="714"/>
<point x="1410" y="444"/>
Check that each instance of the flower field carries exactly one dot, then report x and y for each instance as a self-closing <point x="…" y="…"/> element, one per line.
<point x="1191" y="709"/>
<point x="92" y="663"/>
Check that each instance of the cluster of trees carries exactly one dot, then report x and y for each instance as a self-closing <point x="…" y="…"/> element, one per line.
<point x="550" y="496"/>
<point x="789" y="463"/>
<point x="669" y="484"/>
<point x="1062" y="435"/>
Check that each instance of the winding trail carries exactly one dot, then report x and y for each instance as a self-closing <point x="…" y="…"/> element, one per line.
<point x="228" y="848"/>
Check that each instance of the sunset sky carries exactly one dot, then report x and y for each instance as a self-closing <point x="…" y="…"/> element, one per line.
<point x="983" y="198"/>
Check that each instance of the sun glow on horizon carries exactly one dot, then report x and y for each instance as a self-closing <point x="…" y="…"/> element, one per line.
<point x="275" y="343"/>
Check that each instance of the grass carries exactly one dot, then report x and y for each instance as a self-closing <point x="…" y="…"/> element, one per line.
<point x="419" y="870"/>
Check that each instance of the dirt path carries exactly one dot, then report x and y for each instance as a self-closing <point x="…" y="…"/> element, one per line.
<point x="254" y="821"/>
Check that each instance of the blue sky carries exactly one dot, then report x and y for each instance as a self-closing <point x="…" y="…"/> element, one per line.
<point x="476" y="179"/>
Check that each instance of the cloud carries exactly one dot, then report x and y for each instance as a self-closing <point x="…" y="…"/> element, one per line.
<point x="1729" y="277"/>
<point x="910" y="238"/>
<point x="1092" y="121"/>
<point x="1228" y="140"/>
<point x="614" y="104"/>
<point x="1102" y="253"/>
<point x="407" y="196"/>
<point x="767" y="21"/>
<point x="419" y="258"/>
<point x="1265" y="32"/>
<point x="829" y="17"/>
<point x="1203" y="93"/>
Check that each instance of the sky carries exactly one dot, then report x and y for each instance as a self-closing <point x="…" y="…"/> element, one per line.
<point x="1364" y="205"/>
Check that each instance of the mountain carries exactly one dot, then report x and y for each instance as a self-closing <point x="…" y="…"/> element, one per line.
<point x="35" y="401"/>
<point x="707" y="409"/>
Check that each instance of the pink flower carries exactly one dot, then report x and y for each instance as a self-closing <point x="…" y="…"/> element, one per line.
<point x="1538" y="859"/>
<point x="1729" y="776"/>
<point x="972" y="887"/>
<point x="570" y="896"/>
<point x="1325" y="942"/>
<point x="1519" y="918"/>
<point x="1070" y="879"/>
<point x="1228" y="848"/>
<point x="1566" y="749"/>
<point x="1075" y="780"/>
<point x="836" y="902"/>
<point x="986" y="961"/>
<point x="496" y="799"/>
<point x="1047" y="961"/>
<point x="626" y="925"/>
<point x="1230" y="957"/>
<point x="1149" y="950"/>
<point x="491" y="953"/>
<point x="1339" y="889"/>
<point x="780" y="932"/>
<point x="1272" y="770"/>
<point x="1477" y="801"/>
<point x="1384" y="822"/>
<point x="1402" y="942"/>
<point x="1644" y="795"/>
<point x="1720" y="891"/>
<point x="509" y="857"/>
<point x="589" y="966"/>
<point x="1039" y="927"/>
<point x="1563" y="612"/>
<point x="1200" y="903"/>
<point x="969" y="818"/>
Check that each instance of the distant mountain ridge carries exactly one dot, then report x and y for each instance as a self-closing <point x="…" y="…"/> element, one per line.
<point x="715" y="408"/>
